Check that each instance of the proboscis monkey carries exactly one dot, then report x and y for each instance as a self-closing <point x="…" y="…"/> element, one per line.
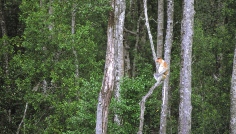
<point x="162" y="70"/>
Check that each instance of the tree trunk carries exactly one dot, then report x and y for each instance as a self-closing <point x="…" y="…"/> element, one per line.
<point x="185" y="107"/>
<point x="127" y="68"/>
<point x="136" y="47"/>
<point x="158" y="82"/>
<point x="108" y="79"/>
<point x="50" y="11"/>
<point x="4" y="33"/>
<point x="167" y="57"/>
<point x="5" y="46"/>
<point x="233" y="98"/>
<point x="114" y="66"/>
<point x="160" y="22"/>
<point x="119" y="28"/>
<point x="73" y="15"/>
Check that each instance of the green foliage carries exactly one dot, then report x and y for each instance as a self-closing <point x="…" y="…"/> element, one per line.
<point x="132" y="91"/>
<point x="38" y="57"/>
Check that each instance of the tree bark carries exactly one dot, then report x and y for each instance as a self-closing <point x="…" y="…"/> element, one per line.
<point x="149" y="33"/>
<point x="4" y="33"/>
<point x="50" y="11"/>
<point x="160" y="23"/>
<point x="23" y="118"/>
<point x="142" y="105"/>
<point x="127" y="64"/>
<point x="119" y="29"/>
<point x="167" y="57"/>
<point x="185" y="107"/>
<point x="233" y="98"/>
<point x="5" y="54"/>
<point x="114" y="66"/>
<point x="136" y="47"/>
<point x="73" y="15"/>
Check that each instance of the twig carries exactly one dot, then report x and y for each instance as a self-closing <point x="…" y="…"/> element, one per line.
<point x="19" y="127"/>
<point x="131" y="32"/>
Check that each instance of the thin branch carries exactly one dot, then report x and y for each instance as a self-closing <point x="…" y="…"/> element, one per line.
<point x="23" y="118"/>
<point x="131" y="32"/>
<point x="142" y="104"/>
<point x="149" y="33"/>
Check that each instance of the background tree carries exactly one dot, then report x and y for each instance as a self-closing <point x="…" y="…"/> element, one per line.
<point x="71" y="102"/>
<point x="119" y="17"/>
<point x="167" y="57"/>
<point x="185" y="107"/>
<point x="114" y="67"/>
<point x="160" y="27"/>
<point x="233" y="99"/>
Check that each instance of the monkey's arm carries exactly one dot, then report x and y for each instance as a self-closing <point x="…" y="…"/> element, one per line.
<point x="162" y="72"/>
<point x="157" y="75"/>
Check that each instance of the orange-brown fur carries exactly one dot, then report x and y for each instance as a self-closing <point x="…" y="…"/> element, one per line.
<point x="164" y="64"/>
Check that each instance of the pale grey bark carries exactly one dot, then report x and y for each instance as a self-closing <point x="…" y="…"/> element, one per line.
<point x="142" y="104"/>
<point x="160" y="27"/>
<point x="157" y="77"/>
<point x="114" y="66"/>
<point x="2" y="19"/>
<point x="167" y="56"/>
<point x="73" y="15"/>
<point x="23" y="118"/>
<point x="233" y="98"/>
<point x="108" y="80"/>
<point x="119" y="15"/>
<point x="50" y="27"/>
<point x="185" y="106"/>
<point x="50" y="11"/>
<point x="149" y="33"/>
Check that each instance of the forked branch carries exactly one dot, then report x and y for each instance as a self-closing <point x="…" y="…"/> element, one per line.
<point x="143" y="101"/>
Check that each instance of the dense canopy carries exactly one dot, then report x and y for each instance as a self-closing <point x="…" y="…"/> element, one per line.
<point x="53" y="56"/>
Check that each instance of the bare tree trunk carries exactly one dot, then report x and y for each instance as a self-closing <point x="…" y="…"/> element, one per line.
<point x="119" y="29"/>
<point x="136" y="47"/>
<point x="4" y="33"/>
<point x="167" y="56"/>
<point x="185" y="106"/>
<point x="160" y="23"/>
<point x="5" y="46"/>
<point x="73" y="15"/>
<point x="50" y="11"/>
<point x="109" y="74"/>
<point x="127" y="68"/>
<point x="233" y="98"/>
<point x="144" y="98"/>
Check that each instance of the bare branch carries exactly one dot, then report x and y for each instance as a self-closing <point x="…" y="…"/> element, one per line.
<point x="23" y="118"/>
<point x="131" y="32"/>
<point x="142" y="104"/>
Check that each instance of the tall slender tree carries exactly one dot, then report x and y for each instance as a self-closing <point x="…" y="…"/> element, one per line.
<point x="114" y="59"/>
<point x="119" y="28"/>
<point x="233" y="98"/>
<point x="73" y="24"/>
<point x="160" y="27"/>
<point x="5" y="54"/>
<point x="167" y="56"/>
<point x="185" y="106"/>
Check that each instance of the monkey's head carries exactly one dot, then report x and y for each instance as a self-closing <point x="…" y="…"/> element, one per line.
<point x="159" y="60"/>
